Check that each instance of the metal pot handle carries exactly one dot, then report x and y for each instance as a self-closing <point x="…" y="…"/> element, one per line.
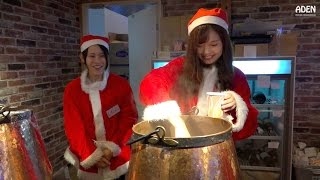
<point x="193" y="111"/>
<point x="156" y="140"/>
<point x="4" y="114"/>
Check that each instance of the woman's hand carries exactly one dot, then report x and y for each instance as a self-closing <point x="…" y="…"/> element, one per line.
<point x="229" y="103"/>
<point x="107" y="153"/>
<point x="105" y="159"/>
<point x="103" y="162"/>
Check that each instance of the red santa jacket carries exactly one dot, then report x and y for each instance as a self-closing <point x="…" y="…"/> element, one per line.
<point x="96" y="116"/>
<point x="160" y="103"/>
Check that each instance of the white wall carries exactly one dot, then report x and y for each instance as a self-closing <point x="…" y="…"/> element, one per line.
<point x="103" y="21"/>
<point x="142" y="44"/>
<point x="95" y="22"/>
<point x="115" y="23"/>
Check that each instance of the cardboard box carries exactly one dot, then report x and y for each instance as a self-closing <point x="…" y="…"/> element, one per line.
<point x="284" y="45"/>
<point x="251" y="50"/>
<point x="172" y="29"/>
<point x="170" y="54"/>
<point x="119" y="53"/>
<point x="117" y="37"/>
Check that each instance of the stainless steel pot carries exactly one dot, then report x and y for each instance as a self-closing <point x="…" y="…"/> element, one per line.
<point x="208" y="154"/>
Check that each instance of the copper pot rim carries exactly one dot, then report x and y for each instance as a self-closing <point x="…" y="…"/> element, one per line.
<point x="226" y="131"/>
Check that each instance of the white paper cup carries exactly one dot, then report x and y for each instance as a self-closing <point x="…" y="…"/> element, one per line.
<point x="214" y="104"/>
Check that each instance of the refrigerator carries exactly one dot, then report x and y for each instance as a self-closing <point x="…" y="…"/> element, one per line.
<point x="268" y="153"/>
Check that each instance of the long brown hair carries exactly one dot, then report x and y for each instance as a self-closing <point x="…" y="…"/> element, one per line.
<point x="190" y="80"/>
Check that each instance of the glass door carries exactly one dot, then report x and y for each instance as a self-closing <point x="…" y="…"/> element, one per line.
<point x="267" y="153"/>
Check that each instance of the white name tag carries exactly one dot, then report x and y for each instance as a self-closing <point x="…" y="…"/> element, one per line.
<point x="113" y="111"/>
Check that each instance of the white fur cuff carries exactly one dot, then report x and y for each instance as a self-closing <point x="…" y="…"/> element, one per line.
<point x="161" y="111"/>
<point x="71" y="158"/>
<point x="92" y="159"/>
<point x="241" y="112"/>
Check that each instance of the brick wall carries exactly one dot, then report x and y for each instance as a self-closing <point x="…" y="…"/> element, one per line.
<point x="39" y="46"/>
<point x="307" y="82"/>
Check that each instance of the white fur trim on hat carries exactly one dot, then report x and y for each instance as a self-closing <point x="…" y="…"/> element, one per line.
<point x="208" y="20"/>
<point x="91" y="42"/>
<point x="161" y="111"/>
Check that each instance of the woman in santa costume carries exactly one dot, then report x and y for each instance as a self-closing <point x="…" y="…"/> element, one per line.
<point x="182" y="84"/>
<point x="99" y="113"/>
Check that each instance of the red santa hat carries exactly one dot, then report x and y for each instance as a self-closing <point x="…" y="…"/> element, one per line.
<point x="89" y="40"/>
<point x="205" y="16"/>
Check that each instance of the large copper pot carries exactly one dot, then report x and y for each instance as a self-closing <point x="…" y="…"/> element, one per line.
<point x="208" y="154"/>
<point x="22" y="151"/>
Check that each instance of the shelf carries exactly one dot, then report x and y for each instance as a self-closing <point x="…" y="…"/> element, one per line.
<point x="267" y="110"/>
<point x="265" y="137"/>
<point x="119" y="64"/>
<point x="268" y="105"/>
<point x="266" y="133"/>
<point x="261" y="168"/>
